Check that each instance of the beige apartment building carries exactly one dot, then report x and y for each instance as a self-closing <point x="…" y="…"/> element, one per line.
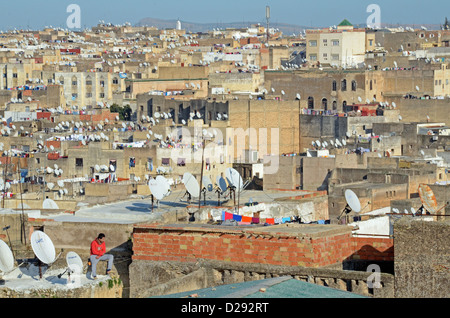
<point x="89" y="88"/>
<point x="343" y="46"/>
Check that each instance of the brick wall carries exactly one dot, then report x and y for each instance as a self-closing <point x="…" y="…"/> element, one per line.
<point x="183" y="244"/>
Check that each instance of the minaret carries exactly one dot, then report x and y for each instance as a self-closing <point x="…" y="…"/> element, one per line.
<point x="178" y="25"/>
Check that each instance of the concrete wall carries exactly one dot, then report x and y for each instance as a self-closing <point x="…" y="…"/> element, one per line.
<point x="421" y="259"/>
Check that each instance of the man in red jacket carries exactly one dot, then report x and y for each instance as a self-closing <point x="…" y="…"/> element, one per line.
<point x="98" y="250"/>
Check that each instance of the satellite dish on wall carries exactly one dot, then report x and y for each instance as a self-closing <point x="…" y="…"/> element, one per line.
<point x="6" y="258"/>
<point x="191" y="184"/>
<point x="427" y="198"/>
<point x="43" y="247"/>
<point x="352" y="200"/>
<point x="49" y="204"/>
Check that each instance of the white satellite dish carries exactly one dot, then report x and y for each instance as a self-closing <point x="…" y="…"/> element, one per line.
<point x="6" y="258"/>
<point x="111" y="167"/>
<point x="235" y="178"/>
<point x="49" y="204"/>
<point x="50" y="185"/>
<point x="43" y="247"/>
<point x="191" y="184"/>
<point x="352" y="200"/>
<point x="74" y="263"/>
<point x="60" y="183"/>
<point x="155" y="188"/>
<point x="97" y="168"/>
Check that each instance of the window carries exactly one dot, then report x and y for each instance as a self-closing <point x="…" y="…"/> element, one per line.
<point x="88" y="95"/>
<point x="335" y="57"/>
<point x="102" y="95"/>
<point x="313" y="57"/>
<point x="325" y="42"/>
<point x="344" y="85"/>
<point x="325" y="104"/>
<point x="325" y="56"/>
<point x="312" y="43"/>
<point x="150" y="164"/>
<point x="335" y="42"/>
<point x="370" y="42"/>
<point x="115" y="81"/>
<point x="354" y="86"/>
<point x="181" y="162"/>
<point x="334" y="86"/>
<point x="132" y="163"/>
<point x="78" y="162"/>
<point x="165" y="161"/>
<point x="310" y="102"/>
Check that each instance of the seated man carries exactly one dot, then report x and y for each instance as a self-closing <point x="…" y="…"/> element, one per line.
<point x="98" y="249"/>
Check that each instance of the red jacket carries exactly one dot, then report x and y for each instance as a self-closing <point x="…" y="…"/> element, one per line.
<point x="98" y="249"/>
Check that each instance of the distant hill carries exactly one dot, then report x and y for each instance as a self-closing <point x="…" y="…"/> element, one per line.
<point x="193" y="27"/>
<point x="286" y="28"/>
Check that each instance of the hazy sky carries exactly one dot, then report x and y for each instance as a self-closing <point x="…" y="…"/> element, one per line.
<point x="37" y="14"/>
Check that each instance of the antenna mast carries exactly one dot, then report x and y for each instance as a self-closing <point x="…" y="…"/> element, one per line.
<point x="267" y="19"/>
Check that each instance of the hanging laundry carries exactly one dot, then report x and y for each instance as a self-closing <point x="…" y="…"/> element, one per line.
<point x="237" y="218"/>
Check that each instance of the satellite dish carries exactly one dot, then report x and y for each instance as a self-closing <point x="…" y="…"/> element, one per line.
<point x="222" y="184"/>
<point x="43" y="247"/>
<point x="60" y="183"/>
<point x="50" y="185"/>
<point x="207" y="183"/>
<point x="235" y="178"/>
<point x="74" y="263"/>
<point x="428" y="198"/>
<point x="111" y="167"/>
<point x="191" y="184"/>
<point x="6" y="258"/>
<point x="158" y="187"/>
<point x="352" y="200"/>
<point x="49" y="204"/>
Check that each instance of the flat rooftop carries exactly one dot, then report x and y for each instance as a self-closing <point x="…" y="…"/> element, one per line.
<point x="140" y="210"/>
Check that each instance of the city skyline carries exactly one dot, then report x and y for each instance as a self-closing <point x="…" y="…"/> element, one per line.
<point x="28" y="15"/>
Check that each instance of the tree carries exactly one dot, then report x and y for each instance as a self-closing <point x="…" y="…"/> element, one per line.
<point x="124" y="111"/>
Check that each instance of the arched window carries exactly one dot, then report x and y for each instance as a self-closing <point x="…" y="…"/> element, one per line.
<point x="324" y="104"/>
<point x="310" y="102"/>
<point x="334" y="105"/>
<point x="334" y="86"/>
<point x="74" y="81"/>
<point x="354" y="85"/>
<point x="344" y="85"/>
